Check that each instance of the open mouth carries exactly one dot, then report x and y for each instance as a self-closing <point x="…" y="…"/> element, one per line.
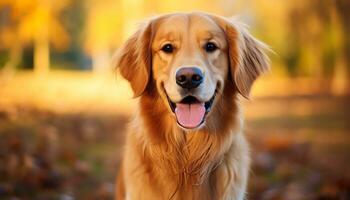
<point x="190" y="112"/>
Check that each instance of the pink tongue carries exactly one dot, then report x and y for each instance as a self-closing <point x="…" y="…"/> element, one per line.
<point x="190" y="115"/>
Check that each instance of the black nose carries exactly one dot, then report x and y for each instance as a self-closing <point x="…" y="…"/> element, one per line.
<point x="189" y="77"/>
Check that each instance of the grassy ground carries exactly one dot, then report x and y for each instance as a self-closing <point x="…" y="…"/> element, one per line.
<point x="61" y="138"/>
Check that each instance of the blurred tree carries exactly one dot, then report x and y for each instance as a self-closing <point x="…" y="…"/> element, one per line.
<point x="34" y="21"/>
<point x="309" y="37"/>
<point x="343" y="68"/>
<point x="104" y="30"/>
<point x="9" y="36"/>
<point x="73" y="18"/>
<point x="316" y="39"/>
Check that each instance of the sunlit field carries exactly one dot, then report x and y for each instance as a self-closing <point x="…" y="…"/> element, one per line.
<point x="64" y="108"/>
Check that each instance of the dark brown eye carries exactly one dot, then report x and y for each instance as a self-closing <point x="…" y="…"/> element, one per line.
<point x="210" y="47"/>
<point x="167" y="48"/>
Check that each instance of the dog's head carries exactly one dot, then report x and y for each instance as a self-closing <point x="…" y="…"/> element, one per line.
<point x="190" y="58"/>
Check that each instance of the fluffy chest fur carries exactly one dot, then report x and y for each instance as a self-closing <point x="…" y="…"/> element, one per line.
<point x="166" y="162"/>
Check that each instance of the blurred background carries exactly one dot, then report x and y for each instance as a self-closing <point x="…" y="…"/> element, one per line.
<point x="63" y="109"/>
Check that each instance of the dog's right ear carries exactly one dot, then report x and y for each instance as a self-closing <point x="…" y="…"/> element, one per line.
<point x="133" y="59"/>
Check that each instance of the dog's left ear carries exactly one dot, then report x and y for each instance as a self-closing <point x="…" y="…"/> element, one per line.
<point x="247" y="55"/>
<point x="133" y="59"/>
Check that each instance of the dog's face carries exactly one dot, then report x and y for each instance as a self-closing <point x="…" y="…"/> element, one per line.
<point x="190" y="63"/>
<point x="189" y="58"/>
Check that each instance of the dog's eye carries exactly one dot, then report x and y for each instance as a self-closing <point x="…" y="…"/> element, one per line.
<point x="210" y="47"/>
<point x="167" y="48"/>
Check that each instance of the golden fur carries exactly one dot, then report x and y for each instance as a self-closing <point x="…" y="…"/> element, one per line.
<point x="163" y="160"/>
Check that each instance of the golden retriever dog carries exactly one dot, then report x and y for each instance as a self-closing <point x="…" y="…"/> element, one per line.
<point x="186" y="141"/>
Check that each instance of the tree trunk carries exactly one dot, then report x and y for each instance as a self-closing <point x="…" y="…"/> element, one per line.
<point x="41" y="53"/>
<point x="14" y="57"/>
<point x="340" y="78"/>
<point x="101" y="61"/>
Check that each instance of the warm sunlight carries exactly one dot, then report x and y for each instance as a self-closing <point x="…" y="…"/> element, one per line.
<point x="64" y="107"/>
